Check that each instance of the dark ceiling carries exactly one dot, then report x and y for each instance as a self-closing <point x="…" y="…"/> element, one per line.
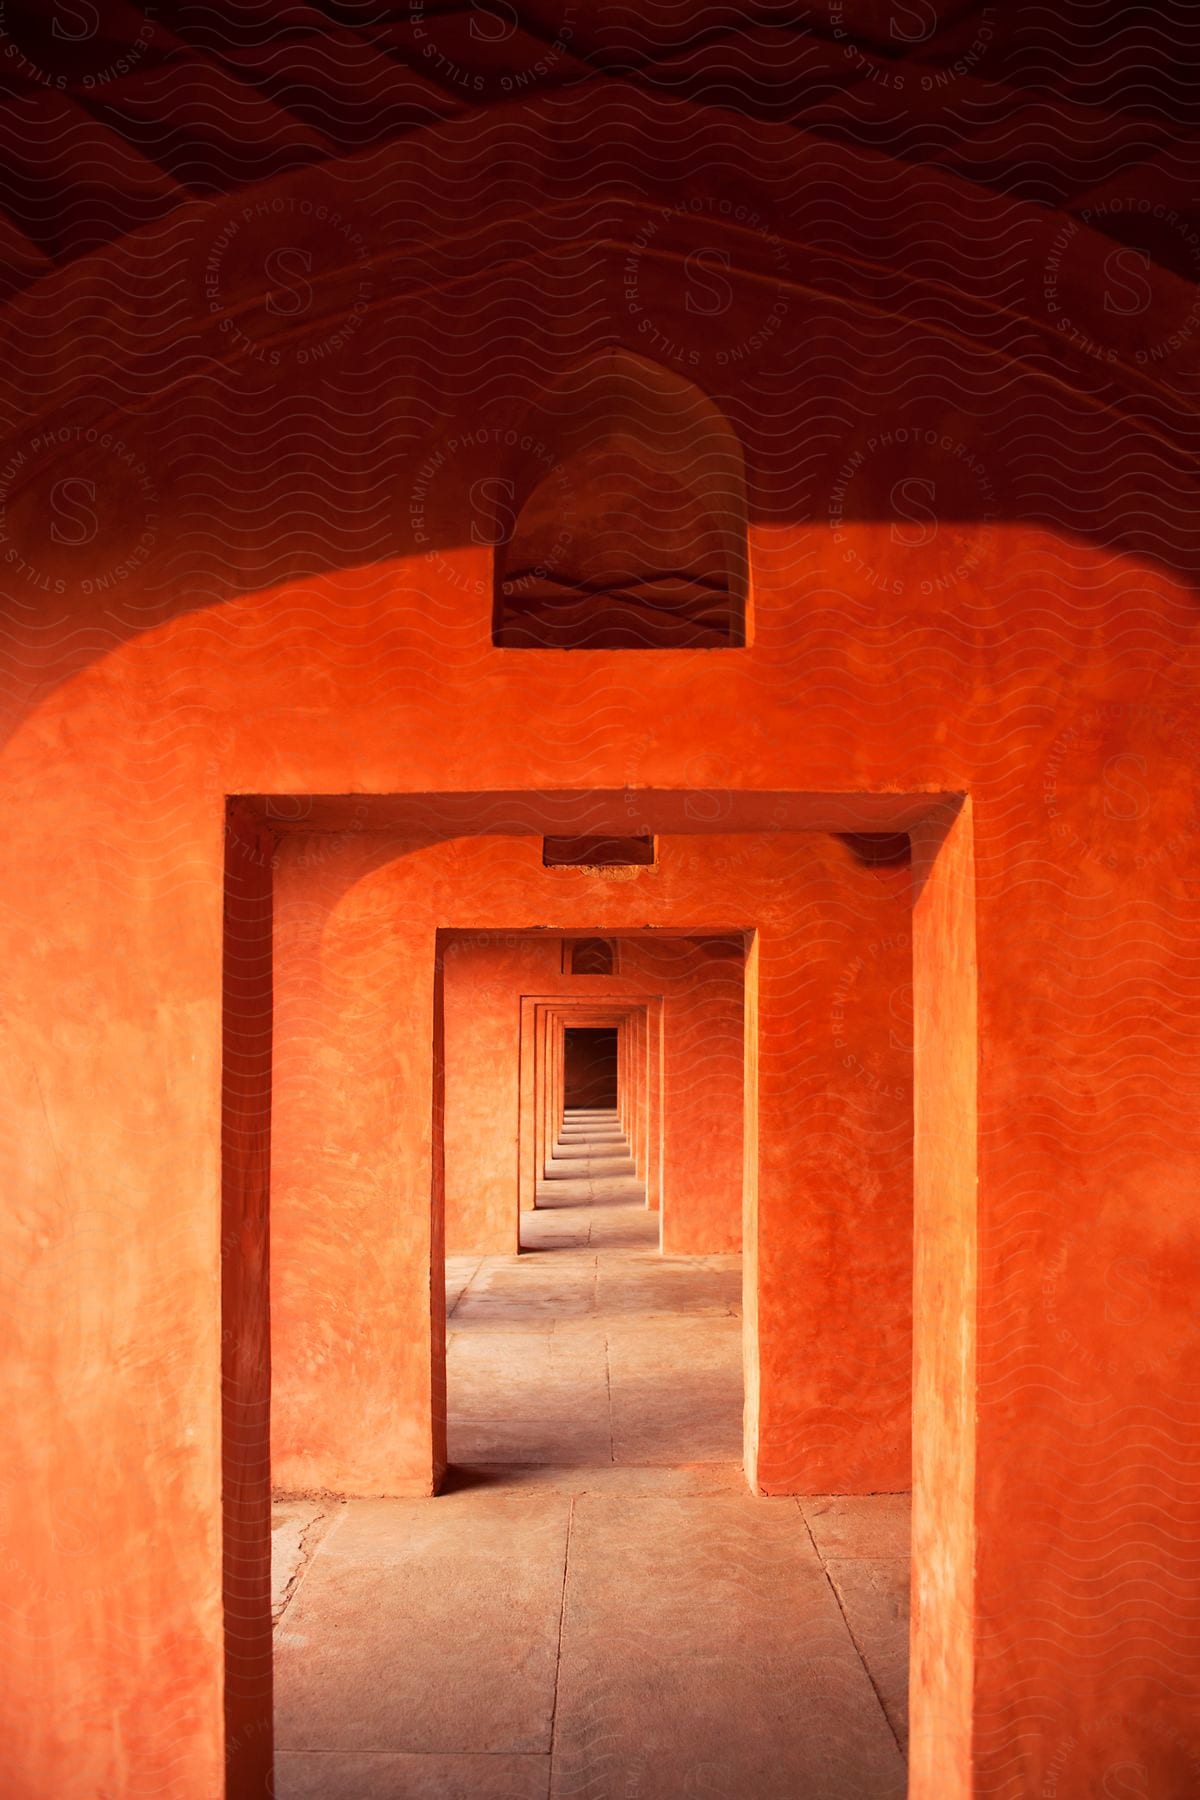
<point x="115" y="114"/>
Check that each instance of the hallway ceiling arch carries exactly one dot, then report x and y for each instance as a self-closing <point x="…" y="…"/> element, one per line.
<point x="914" y="222"/>
<point x="112" y="123"/>
<point x="114" y="120"/>
<point x="536" y="208"/>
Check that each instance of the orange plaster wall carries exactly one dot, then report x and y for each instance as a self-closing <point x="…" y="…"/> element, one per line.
<point x="942" y="1672"/>
<point x="484" y="978"/>
<point x="355" y="932"/>
<point x="353" y="1407"/>
<point x="1094" y="1283"/>
<point x="286" y="637"/>
<point x="834" y="1187"/>
<point x="703" y="1069"/>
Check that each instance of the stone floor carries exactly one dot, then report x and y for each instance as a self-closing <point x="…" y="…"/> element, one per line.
<point x="597" y="1609"/>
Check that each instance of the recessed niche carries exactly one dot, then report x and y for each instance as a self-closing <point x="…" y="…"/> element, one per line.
<point x="597" y="852"/>
<point x="628" y="512"/>
<point x="589" y="956"/>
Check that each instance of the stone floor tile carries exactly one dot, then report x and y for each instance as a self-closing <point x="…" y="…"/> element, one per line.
<point x="861" y="1524"/>
<point x="296" y="1528"/>
<point x="541" y="1232"/>
<point x="571" y="1401"/>
<point x="704" y="1653"/>
<point x="667" y="1287"/>
<point x="427" y="1626"/>
<point x="709" y="1650"/>
<point x="875" y="1599"/>
<point x="325" y="1775"/>
<point x="697" y="1417"/>
<point x="603" y="1478"/>
<point x="642" y="1346"/>
<point x="616" y="1234"/>
<point x="460" y="1271"/>
<point x="529" y="1440"/>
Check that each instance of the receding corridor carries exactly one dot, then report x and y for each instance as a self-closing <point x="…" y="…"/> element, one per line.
<point x="597" y="1606"/>
<point x="593" y="1348"/>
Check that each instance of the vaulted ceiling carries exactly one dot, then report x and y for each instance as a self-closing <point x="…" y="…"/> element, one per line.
<point x="116" y="114"/>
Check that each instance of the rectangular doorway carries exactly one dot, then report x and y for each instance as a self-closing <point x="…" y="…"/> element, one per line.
<point x="636" y="1017"/>
<point x="944" y="970"/>
<point x="589" y="1353"/>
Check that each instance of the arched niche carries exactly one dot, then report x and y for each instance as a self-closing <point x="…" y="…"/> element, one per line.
<point x="628" y="517"/>
<point x="591" y="956"/>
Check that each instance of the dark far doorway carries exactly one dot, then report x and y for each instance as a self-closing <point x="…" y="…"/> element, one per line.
<point x="590" y="1068"/>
